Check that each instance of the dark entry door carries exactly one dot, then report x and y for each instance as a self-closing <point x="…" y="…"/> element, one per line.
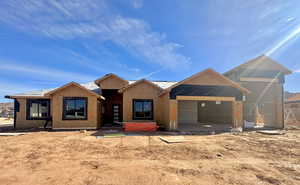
<point x="116" y="113"/>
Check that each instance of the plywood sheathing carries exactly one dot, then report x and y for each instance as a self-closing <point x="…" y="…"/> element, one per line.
<point x="268" y="97"/>
<point x="21" y="121"/>
<point x="111" y="81"/>
<point x="57" y="108"/>
<point x="141" y="90"/>
<point x="139" y="82"/>
<point x="237" y="114"/>
<point x="173" y="124"/>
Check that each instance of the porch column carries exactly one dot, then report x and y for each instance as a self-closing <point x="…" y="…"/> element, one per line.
<point x="237" y="107"/>
<point x="173" y="125"/>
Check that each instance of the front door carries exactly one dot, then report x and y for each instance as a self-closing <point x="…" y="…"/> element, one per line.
<point x="116" y="113"/>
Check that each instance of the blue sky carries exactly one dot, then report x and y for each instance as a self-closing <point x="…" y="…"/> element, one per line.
<point x="44" y="44"/>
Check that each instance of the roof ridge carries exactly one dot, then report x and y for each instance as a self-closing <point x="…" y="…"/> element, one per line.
<point x="155" y="80"/>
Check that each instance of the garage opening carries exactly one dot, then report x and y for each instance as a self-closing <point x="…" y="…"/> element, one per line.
<point x="205" y="115"/>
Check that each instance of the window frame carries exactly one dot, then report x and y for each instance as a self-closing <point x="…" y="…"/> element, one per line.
<point x="142" y="100"/>
<point x="74" y="98"/>
<point x="28" y="105"/>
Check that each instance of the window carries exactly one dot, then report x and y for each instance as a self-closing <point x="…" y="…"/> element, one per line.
<point x="75" y="108"/>
<point x="143" y="109"/>
<point x="38" y="109"/>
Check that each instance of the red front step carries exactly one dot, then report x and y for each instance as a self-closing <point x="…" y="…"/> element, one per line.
<point x="140" y="126"/>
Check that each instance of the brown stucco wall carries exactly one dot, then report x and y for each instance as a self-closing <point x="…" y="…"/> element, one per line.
<point x="141" y="91"/>
<point x="112" y="83"/>
<point x="22" y="122"/>
<point x="57" y="106"/>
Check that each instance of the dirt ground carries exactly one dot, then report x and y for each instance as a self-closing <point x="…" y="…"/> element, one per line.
<point x="80" y="158"/>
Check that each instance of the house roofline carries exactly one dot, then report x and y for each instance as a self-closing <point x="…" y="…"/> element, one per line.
<point x="138" y="82"/>
<point x="109" y="75"/>
<point x="209" y="70"/>
<point x="285" y="70"/>
<point x="75" y="84"/>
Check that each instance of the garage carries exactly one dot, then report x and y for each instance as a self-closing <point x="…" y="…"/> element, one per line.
<point x="205" y="115"/>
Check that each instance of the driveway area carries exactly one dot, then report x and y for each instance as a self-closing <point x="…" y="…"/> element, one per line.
<point x="247" y="158"/>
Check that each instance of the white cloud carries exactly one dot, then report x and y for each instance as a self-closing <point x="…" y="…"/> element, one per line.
<point x="50" y="74"/>
<point x="71" y="19"/>
<point x="7" y="88"/>
<point x="137" y="3"/>
<point x="12" y="88"/>
<point x="297" y="71"/>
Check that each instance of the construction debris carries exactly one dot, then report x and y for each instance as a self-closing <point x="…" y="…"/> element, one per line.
<point x="114" y="135"/>
<point x="12" y="134"/>
<point x="83" y="131"/>
<point x="271" y="132"/>
<point x="238" y="129"/>
<point x="248" y="124"/>
<point x="173" y="139"/>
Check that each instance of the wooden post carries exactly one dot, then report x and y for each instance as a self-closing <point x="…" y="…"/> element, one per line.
<point x="173" y="115"/>
<point x="237" y="111"/>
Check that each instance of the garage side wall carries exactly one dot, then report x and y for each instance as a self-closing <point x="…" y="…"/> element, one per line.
<point x="57" y="113"/>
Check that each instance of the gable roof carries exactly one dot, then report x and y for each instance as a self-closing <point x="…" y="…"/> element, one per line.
<point x="109" y="75"/>
<point x="218" y="75"/>
<point x="139" y="82"/>
<point x="92" y="86"/>
<point x="261" y="61"/>
<point x="72" y="84"/>
<point x="161" y="84"/>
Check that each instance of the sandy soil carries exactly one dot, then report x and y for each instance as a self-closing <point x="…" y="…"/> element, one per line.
<point x="79" y="158"/>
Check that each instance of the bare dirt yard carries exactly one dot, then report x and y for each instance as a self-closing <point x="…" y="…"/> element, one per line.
<point x="80" y="158"/>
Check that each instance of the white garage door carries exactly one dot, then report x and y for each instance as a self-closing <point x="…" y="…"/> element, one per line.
<point x="187" y="112"/>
